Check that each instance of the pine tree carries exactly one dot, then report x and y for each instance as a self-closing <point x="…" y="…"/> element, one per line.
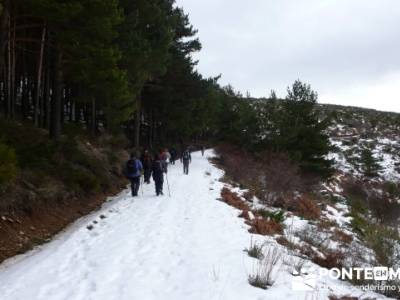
<point x="301" y="133"/>
<point x="180" y="93"/>
<point x="369" y="164"/>
<point x="81" y="35"/>
<point x="145" y="38"/>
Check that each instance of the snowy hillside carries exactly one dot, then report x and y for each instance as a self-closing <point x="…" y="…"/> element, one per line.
<point x="187" y="246"/>
<point x="356" y="129"/>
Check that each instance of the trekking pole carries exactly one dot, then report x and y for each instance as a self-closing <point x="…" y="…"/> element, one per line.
<point x="169" y="191"/>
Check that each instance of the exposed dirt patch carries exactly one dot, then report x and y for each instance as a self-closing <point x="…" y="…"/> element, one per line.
<point x="21" y="231"/>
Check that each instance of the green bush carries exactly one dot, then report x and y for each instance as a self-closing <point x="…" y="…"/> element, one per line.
<point x="87" y="181"/>
<point x="72" y="130"/>
<point x="392" y="188"/>
<point x="358" y="209"/>
<point x="37" y="156"/>
<point x="71" y="152"/>
<point x="78" y="179"/>
<point x="382" y="240"/>
<point x="347" y="143"/>
<point x="112" y="157"/>
<point x="369" y="164"/>
<point x="119" y="141"/>
<point x="32" y="146"/>
<point x="36" y="153"/>
<point x="278" y="216"/>
<point x="8" y="164"/>
<point x="358" y="223"/>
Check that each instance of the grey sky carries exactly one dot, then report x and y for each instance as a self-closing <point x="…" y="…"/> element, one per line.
<point x="348" y="50"/>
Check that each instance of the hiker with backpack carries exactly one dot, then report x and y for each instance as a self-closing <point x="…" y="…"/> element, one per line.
<point x="133" y="172"/>
<point x="147" y="163"/>
<point x="165" y="155"/>
<point x="173" y="153"/>
<point x="159" y="167"/>
<point x="186" y="159"/>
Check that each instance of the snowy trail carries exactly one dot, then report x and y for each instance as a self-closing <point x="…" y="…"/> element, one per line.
<point x="189" y="246"/>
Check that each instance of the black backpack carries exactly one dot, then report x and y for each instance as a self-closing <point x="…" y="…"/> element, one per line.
<point x="131" y="167"/>
<point x="158" y="167"/>
<point x="186" y="155"/>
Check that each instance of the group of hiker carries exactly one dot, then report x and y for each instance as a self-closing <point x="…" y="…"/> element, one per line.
<point x="155" y="166"/>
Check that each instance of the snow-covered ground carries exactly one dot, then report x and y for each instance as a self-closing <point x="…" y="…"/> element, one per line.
<point x="187" y="246"/>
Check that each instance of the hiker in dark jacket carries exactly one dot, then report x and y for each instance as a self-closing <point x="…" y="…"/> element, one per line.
<point x="173" y="153"/>
<point x="147" y="164"/>
<point x="159" y="167"/>
<point x="133" y="172"/>
<point x="202" y="150"/>
<point x="186" y="158"/>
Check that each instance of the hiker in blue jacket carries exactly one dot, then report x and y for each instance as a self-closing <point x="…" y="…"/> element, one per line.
<point x="133" y="172"/>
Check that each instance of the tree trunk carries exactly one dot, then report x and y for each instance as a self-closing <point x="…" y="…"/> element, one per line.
<point x="4" y="22"/>
<point x="47" y="98"/>
<point x="24" y="99"/>
<point x="137" y="124"/>
<point x="150" y="137"/>
<point x="39" y="77"/>
<point x="72" y="110"/>
<point x="93" y="117"/>
<point x="9" y="61"/>
<point x="12" y="71"/>
<point x="86" y="115"/>
<point x="154" y="134"/>
<point x="77" y="113"/>
<point x="56" y="110"/>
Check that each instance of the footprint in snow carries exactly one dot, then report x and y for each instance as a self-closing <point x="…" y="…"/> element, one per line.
<point x="94" y="234"/>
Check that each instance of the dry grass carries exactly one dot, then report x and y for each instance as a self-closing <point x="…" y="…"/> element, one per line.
<point x="332" y="259"/>
<point x="265" y="227"/>
<point x="333" y="297"/>
<point x="249" y="195"/>
<point x="233" y="199"/>
<point x="313" y="236"/>
<point x="307" y="208"/>
<point x="283" y="241"/>
<point x="306" y="250"/>
<point x="265" y="273"/>
<point x="340" y="236"/>
<point x="326" y="224"/>
<point x="270" y="176"/>
<point x="255" y="250"/>
<point x="258" y="225"/>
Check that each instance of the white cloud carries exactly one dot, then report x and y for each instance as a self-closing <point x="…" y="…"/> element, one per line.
<point x="383" y="94"/>
<point x="347" y="49"/>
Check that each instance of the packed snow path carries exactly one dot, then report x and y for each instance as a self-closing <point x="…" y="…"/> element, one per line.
<point x="187" y="246"/>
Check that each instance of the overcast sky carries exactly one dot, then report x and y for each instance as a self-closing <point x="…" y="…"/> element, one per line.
<point x="348" y="50"/>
